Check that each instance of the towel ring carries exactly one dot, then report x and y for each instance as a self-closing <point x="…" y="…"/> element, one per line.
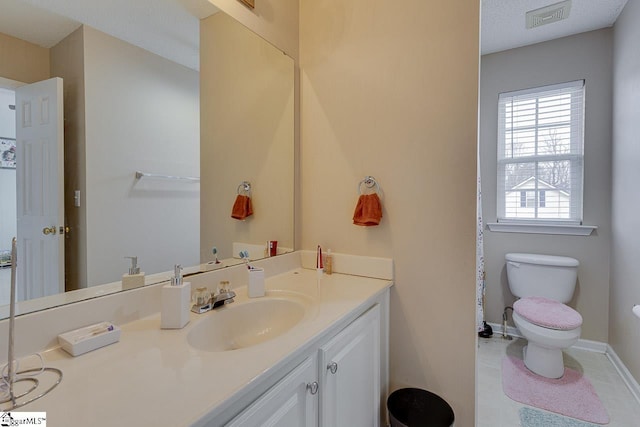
<point x="369" y="182"/>
<point x="244" y="188"/>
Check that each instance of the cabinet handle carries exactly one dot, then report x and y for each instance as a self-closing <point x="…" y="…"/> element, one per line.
<point x="313" y="387"/>
<point x="333" y="367"/>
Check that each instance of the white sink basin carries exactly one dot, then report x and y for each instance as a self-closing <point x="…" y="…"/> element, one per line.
<point x="247" y="323"/>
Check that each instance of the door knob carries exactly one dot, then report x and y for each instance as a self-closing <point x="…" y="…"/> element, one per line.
<point x="333" y="367"/>
<point x="49" y="230"/>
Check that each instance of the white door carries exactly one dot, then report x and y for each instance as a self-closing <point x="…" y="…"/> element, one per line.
<point x="350" y="375"/>
<point x="292" y="402"/>
<point x="40" y="188"/>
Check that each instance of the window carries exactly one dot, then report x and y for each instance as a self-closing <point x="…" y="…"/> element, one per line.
<point x="528" y="199"/>
<point x="540" y="154"/>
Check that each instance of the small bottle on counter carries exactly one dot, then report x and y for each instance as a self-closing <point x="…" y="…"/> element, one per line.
<point x="328" y="262"/>
<point x="256" y="282"/>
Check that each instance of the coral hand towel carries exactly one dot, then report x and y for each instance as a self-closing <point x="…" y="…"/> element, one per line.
<point x="242" y="207"/>
<point x="368" y="210"/>
<point x="249" y="206"/>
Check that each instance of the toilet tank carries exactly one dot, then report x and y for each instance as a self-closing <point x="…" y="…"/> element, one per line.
<point x="548" y="276"/>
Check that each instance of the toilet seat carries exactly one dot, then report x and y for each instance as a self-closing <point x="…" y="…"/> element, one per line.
<point x="547" y="313"/>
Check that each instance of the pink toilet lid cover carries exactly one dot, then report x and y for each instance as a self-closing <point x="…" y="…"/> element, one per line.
<point x="548" y="313"/>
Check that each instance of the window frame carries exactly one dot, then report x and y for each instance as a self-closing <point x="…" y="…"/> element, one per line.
<point x="575" y="156"/>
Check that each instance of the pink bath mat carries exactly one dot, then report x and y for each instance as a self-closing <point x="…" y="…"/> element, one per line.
<point x="572" y="395"/>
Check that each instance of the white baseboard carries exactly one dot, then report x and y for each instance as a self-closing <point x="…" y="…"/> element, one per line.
<point x="511" y="330"/>
<point x="628" y="379"/>
<point x="582" y="344"/>
<point x="588" y="345"/>
<point x="595" y="346"/>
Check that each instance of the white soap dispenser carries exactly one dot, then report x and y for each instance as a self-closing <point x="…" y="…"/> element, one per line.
<point x="176" y="301"/>
<point x="135" y="278"/>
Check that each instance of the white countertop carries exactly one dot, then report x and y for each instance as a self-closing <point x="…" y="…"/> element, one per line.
<point x="154" y="377"/>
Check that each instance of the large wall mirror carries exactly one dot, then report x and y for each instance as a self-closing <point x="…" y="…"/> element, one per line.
<point x="208" y="107"/>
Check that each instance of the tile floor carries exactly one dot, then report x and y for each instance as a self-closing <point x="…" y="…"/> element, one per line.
<point x="495" y="409"/>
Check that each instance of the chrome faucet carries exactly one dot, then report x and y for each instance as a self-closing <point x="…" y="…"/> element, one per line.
<point x="224" y="296"/>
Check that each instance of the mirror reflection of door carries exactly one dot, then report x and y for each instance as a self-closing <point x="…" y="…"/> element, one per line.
<point x="40" y="189"/>
<point x="7" y="187"/>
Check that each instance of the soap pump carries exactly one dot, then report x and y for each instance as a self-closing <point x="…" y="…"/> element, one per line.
<point x="135" y="278"/>
<point x="176" y="301"/>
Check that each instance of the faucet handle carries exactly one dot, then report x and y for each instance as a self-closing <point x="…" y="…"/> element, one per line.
<point x="222" y="287"/>
<point x="201" y="296"/>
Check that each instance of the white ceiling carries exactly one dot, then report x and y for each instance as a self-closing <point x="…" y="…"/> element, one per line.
<point x="169" y="28"/>
<point x="503" y="21"/>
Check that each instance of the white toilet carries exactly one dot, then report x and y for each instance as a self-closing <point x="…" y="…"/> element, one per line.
<point x="543" y="284"/>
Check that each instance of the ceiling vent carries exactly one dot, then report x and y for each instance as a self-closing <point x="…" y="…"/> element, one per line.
<point x="548" y="14"/>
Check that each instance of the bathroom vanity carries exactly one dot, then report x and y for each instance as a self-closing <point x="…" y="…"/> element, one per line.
<point x="337" y="383"/>
<point x="312" y="352"/>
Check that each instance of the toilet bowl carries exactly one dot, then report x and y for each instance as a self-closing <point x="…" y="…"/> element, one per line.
<point x="543" y="353"/>
<point x="544" y="283"/>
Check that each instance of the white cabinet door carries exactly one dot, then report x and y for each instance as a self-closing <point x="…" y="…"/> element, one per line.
<point x="350" y="375"/>
<point x="292" y="402"/>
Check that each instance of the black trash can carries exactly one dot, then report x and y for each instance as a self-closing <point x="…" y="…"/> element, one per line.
<point x="414" y="407"/>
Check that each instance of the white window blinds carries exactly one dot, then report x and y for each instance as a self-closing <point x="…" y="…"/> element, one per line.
<point x="540" y="154"/>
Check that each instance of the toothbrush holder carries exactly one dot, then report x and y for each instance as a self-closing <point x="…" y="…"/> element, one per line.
<point x="256" y="282"/>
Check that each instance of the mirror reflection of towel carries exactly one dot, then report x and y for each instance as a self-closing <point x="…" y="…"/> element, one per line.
<point x="368" y="210"/>
<point x="242" y="207"/>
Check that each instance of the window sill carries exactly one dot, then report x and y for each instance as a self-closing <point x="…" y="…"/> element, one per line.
<point x="570" y="230"/>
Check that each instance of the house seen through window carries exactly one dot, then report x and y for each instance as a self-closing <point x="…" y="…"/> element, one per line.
<point x="528" y="199"/>
<point x="540" y="154"/>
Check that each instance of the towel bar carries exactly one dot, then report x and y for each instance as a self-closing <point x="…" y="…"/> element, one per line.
<point x="140" y="175"/>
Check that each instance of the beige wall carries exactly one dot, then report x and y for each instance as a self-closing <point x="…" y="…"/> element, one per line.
<point x="274" y="20"/>
<point x="142" y="113"/>
<point x="23" y="61"/>
<point x="585" y="56"/>
<point x="246" y="109"/>
<point x="624" y="328"/>
<point x="391" y="91"/>
<point x="67" y="62"/>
